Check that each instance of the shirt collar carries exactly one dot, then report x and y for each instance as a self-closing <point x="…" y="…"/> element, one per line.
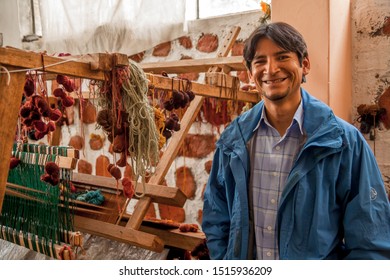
<point x="298" y="117"/>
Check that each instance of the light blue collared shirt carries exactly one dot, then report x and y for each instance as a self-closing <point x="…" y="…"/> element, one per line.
<point x="272" y="159"/>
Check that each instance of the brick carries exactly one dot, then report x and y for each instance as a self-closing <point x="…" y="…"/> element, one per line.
<point x="203" y="190"/>
<point x="96" y="142"/>
<point x="384" y="102"/>
<point x="197" y="145"/>
<point x="200" y="216"/>
<point x="386" y="27"/>
<point x="238" y="48"/>
<point x="186" y="42"/>
<point x="137" y="57"/>
<point x="162" y="49"/>
<point x="84" y="166"/>
<point x="243" y="76"/>
<point x="76" y="141"/>
<point x="173" y="213"/>
<point x="151" y="213"/>
<point x="102" y="162"/>
<point x="207" y="43"/>
<point x="128" y="171"/>
<point x="89" y="112"/>
<point x="207" y="166"/>
<point x="190" y="76"/>
<point x="185" y="181"/>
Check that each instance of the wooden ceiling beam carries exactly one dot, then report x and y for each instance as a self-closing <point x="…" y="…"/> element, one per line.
<point x="233" y="63"/>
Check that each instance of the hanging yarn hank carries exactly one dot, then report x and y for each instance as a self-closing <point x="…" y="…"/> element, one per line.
<point x="143" y="134"/>
<point x="125" y="107"/>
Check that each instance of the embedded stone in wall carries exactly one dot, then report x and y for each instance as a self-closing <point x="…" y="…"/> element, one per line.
<point x="84" y="166"/>
<point x="190" y="76"/>
<point x="384" y="102"/>
<point x="386" y="27"/>
<point x="238" y="48"/>
<point x="203" y="190"/>
<point x="128" y="171"/>
<point x="88" y="112"/>
<point x="200" y="216"/>
<point x="186" y="42"/>
<point x="185" y="181"/>
<point x="207" y="43"/>
<point x="137" y="57"/>
<point x="207" y="166"/>
<point x="197" y="146"/>
<point x="77" y="142"/>
<point x="102" y="162"/>
<point x="151" y="213"/>
<point x="162" y="49"/>
<point x="173" y="213"/>
<point x="243" y="76"/>
<point x="96" y="141"/>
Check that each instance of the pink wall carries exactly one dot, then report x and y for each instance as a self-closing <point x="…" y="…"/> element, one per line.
<point x="325" y="24"/>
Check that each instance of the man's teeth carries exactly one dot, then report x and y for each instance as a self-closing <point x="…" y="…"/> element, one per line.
<point x="274" y="81"/>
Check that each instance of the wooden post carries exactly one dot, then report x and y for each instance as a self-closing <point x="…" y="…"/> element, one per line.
<point x="10" y="98"/>
<point x="177" y="139"/>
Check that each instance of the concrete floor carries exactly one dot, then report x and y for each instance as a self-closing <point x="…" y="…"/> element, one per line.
<point x="96" y="248"/>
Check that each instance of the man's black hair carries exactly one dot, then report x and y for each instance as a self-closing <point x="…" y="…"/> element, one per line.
<point x="282" y="34"/>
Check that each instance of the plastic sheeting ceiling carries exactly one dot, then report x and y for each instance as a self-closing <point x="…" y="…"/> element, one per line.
<point x="124" y="26"/>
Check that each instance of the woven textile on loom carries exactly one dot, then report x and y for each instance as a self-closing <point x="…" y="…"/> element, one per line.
<point x="36" y="214"/>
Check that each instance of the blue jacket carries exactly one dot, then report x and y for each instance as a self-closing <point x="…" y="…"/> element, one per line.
<point x="333" y="206"/>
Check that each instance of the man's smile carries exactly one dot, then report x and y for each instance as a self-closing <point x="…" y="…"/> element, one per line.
<point x="274" y="81"/>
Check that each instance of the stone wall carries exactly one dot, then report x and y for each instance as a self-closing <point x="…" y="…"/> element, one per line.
<point x="371" y="69"/>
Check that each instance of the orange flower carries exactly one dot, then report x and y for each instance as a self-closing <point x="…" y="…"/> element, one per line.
<point x="264" y="6"/>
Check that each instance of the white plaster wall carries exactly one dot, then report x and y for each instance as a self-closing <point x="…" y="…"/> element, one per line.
<point x="371" y="68"/>
<point x="9" y="23"/>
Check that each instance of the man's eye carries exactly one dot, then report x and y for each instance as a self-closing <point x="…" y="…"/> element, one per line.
<point x="283" y="57"/>
<point x="261" y="61"/>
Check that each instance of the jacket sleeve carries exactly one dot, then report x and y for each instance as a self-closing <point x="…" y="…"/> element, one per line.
<point x="215" y="220"/>
<point x="367" y="212"/>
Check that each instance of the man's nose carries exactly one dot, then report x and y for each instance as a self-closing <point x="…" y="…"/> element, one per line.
<point x="271" y="67"/>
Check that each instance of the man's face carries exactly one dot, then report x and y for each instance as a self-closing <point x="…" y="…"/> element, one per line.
<point x="276" y="72"/>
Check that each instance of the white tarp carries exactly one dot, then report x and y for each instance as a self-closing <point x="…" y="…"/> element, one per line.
<point x="124" y="26"/>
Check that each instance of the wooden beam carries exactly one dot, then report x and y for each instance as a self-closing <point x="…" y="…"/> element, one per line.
<point x="203" y="90"/>
<point x="61" y="161"/>
<point x="10" y="98"/>
<point x="176" y="238"/>
<point x="31" y="60"/>
<point x="158" y="193"/>
<point x="235" y="63"/>
<point x="49" y="149"/>
<point x="114" y="232"/>
<point x="176" y="141"/>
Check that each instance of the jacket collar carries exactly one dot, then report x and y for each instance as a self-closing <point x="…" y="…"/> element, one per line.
<point x="321" y="126"/>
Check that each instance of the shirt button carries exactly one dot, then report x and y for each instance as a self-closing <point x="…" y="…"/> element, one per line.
<point x="275" y="174"/>
<point x="277" y="148"/>
<point x="269" y="228"/>
<point x="273" y="201"/>
<point x="268" y="254"/>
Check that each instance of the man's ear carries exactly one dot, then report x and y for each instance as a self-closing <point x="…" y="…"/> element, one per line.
<point x="306" y="66"/>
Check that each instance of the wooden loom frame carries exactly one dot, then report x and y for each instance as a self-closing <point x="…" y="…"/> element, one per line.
<point x="94" y="67"/>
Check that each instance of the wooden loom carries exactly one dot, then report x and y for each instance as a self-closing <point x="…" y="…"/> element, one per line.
<point x="104" y="220"/>
<point x="38" y="216"/>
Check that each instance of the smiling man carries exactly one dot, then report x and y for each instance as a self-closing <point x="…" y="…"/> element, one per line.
<point x="290" y="180"/>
